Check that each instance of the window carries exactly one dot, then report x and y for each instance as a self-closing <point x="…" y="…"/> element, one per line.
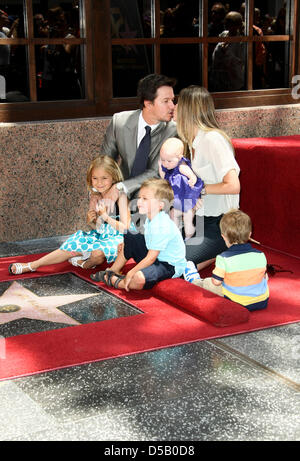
<point x="81" y="58"/>
<point x="243" y="52"/>
<point x="43" y="58"/>
<point x="58" y="65"/>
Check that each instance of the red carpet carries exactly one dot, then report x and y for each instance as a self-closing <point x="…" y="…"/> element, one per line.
<point x="270" y="189"/>
<point x="163" y="323"/>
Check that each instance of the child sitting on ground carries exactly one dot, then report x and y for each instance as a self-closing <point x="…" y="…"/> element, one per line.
<point x="240" y="271"/>
<point x="108" y="221"/>
<point x="159" y="253"/>
<point x="176" y="169"/>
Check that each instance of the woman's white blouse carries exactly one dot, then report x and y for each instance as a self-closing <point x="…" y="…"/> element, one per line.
<point x="213" y="159"/>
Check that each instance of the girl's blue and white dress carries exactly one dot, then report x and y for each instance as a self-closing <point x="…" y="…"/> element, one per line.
<point x="105" y="238"/>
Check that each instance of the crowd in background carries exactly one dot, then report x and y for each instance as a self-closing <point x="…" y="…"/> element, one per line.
<point x="227" y="62"/>
<point x="59" y="67"/>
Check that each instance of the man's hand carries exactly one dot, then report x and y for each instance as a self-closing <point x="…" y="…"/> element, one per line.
<point x="101" y="209"/>
<point x="113" y="194"/>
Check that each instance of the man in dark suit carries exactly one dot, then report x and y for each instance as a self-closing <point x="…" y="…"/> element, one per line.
<point x="138" y="157"/>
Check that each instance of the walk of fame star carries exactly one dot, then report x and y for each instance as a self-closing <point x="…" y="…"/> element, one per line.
<point x="19" y="302"/>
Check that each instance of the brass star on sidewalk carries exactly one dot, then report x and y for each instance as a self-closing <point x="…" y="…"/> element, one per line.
<point x="19" y="302"/>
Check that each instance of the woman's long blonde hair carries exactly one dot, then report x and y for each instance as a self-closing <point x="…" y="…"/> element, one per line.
<point x="196" y="110"/>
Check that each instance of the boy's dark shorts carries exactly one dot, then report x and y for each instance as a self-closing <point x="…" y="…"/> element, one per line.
<point x="157" y="272"/>
<point x="135" y="247"/>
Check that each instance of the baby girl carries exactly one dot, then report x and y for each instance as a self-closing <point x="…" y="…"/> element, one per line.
<point x="176" y="169"/>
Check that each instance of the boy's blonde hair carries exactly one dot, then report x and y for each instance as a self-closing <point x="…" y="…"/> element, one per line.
<point x="161" y="188"/>
<point x="236" y="226"/>
<point x="109" y="165"/>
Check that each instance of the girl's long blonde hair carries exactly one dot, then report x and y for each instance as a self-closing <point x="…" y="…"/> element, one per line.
<point x="109" y="165"/>
<point x="196" y="110"/>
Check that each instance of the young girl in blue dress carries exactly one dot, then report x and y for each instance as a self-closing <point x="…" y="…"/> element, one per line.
<point x="108" y="221"/>
<point x="177" y="170"/>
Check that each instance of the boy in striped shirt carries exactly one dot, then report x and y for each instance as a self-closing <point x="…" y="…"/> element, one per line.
<point x="240" y="271"/>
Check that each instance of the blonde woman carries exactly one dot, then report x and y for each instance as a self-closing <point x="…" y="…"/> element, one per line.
<point x="107" y="220"/>
<point x="212" y="159"/>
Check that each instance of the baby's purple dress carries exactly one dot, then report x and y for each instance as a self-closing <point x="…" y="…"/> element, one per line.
<point x="185" y="197"/>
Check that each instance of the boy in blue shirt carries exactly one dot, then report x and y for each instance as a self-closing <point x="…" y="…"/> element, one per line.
<point x="159" y="253"/>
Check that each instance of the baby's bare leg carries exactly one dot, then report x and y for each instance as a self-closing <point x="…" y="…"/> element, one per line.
<point x="176" y="216"/>
<point x="189" y="228"/>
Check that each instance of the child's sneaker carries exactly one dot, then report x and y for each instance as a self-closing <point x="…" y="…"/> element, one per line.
<point x="190" y="273"/>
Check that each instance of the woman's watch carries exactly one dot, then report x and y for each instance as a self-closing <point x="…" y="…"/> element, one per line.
<point x="203" y="191"/>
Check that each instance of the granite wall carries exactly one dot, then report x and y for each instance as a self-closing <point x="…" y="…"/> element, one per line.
<point x="43" y="165"/>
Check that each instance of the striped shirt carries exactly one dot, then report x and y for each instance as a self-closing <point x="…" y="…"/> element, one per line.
<point x="241" y="269"/>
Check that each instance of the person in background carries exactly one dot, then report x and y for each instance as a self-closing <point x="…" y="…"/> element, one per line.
<point x="216" y="25"/>
<point x="228" y="59"/>
<point x="4" y="49"/>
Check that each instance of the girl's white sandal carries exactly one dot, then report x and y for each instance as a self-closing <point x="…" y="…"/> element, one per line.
<point x="84" y="257"/>
<point x="75" y="261"/>
<point x="20" y="268"/>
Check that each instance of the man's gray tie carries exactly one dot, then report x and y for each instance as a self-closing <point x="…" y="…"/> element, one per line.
<point x="142" y="154"/>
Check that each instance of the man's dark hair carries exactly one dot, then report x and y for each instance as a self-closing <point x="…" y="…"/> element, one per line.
<point x="148" y="86"/>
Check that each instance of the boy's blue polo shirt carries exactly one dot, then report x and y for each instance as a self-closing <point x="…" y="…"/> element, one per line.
<point x="162" y="234"/>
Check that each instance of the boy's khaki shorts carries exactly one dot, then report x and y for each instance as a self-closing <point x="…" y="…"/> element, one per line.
<point x="207" y="284"/>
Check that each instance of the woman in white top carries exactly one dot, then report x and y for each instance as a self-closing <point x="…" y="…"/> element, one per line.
<point x="212" y="158"/>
